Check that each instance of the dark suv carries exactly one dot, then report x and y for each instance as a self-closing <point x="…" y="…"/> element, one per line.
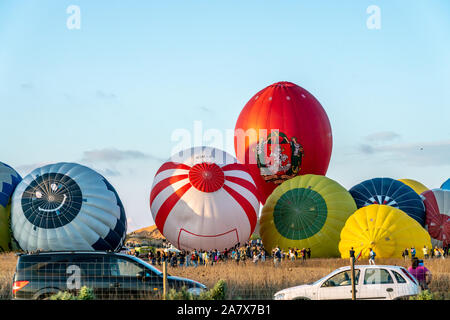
<point x="110" y="275"/>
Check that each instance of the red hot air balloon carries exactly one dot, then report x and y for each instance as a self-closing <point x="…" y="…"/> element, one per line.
<point x="437" y="205"/>
<point x="282" y="132"/>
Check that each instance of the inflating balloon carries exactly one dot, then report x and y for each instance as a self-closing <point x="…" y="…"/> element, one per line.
<point x="437" y="221"/>
<point x="67" y="206"/>
<point x="446" y="185"/>
<point x="9" y="179"/>
<point x="385" y="229"/>
<point x="306" y="212"/>
<point x="415" y="185"/>
<point x="288" y="134"/>
<point x="203" y="199"/>
<point x="389" y="192"/>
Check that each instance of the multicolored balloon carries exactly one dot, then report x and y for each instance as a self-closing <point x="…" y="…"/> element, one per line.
<point x="385" y="229"/>
<point x="282" y="132"/>
<point x="437" y="205"/>
<point x="203" y="199"/>
<point x="307" y="211"/>
<point x="9" y="179"/>
<point x="418" y="187"/>
<point x="389" y="192"/>
<point x="67" y="206"/>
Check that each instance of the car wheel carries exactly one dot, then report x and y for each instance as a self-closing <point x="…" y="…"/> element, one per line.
<point x="45" y="296"/>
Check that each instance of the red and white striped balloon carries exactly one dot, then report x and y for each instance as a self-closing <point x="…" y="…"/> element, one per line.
<point x="203" y="199"/>
<point x="437" y="206"/>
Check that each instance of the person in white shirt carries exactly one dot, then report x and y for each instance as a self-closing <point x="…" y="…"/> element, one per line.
<point x="372" y="257"/>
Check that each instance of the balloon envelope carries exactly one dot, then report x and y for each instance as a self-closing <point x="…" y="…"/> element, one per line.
<point x="446" y="185"/>
<point x="389" y="192"/>
<point x="282" y="132"/>
<point x="9" y="179"/>
<point x="307" y="211"/>
<point x="437" y="205"/>
<point x="203" y="199"/>
<point x="67" y="206"/>
<point x="415" y="185"/>
<point x="385" y="229"/>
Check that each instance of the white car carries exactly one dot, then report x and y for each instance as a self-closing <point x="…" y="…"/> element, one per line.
<point x="372" y="282"/>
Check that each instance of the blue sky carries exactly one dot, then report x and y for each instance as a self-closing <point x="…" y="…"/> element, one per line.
<point x="111" y="94"/>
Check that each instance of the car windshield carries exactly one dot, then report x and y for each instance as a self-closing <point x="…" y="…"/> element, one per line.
<point x="147" y="265"/>
<point x="325" y="277"/>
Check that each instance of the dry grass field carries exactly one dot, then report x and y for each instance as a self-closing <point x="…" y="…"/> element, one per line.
<point x="249" y="281"/>
<point x="7" y="266"/>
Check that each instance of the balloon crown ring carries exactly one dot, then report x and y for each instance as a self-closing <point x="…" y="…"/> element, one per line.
<point x="206" y="177"/>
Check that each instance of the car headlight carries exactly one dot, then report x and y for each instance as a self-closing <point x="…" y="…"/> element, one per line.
<point x="196" y="291"/>
<point x="279" y="296"/>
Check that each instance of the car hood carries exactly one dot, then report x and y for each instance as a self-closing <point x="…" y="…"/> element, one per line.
<point x="294" y="290"/>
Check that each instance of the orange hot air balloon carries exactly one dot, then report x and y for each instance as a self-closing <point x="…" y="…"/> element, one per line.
<point x="282" y="132"/>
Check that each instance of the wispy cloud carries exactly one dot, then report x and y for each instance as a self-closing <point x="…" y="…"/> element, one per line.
<point x="206" y="109"/>
<point x="108" y="172"/>
<point x="27" y="168"/>
<point x="383" y="136"/>
<point x="26" y="86"/>
<point x="104" y="95"/>
<point x="112" y="154"/>
<point x="435" y="153"/>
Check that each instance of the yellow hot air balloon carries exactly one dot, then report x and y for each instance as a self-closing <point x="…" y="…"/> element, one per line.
<point x="415" y="185"/>
<point x="385" y="229"/>
<point x="307" y="211"/>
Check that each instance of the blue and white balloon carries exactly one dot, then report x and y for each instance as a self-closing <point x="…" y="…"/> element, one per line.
<point x="446" y="185"/>
<point x="67" y="206"/>
<point x="392" y="193"/>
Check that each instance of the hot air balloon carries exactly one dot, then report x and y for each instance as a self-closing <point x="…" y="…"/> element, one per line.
<point x="392" y="193"/>
<point x="67" y="206"/>
<point x="282" y="132"/>
<point x="203" y="199"/>
<point x="307" y="211"/>
<point x="9" y="179"/>
<point x="446" y="185"/>
<point x="385" y="229"/>
<point x="437" y="221"/>
<point x="415" y="185"/>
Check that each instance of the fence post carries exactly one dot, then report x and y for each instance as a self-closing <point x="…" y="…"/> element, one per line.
<point x="352" y="266"/>
<point x="164" y="279"/>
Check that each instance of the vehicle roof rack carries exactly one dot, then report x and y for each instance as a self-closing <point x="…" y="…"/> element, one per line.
<point x="37" y="252"/>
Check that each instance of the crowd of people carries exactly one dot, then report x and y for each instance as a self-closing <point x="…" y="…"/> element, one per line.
<point x="428" y="253"/>
<point x="252" y="251"/>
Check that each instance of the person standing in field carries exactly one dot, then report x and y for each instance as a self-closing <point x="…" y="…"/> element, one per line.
<point x="413" y="252"/>
<point x="304" y="254"/>
<point x="421" y="273"/>
<point x="405" y="254"/>
<point x="372" y="255"/>
<point x="425" y="252"/>
<point x="291" y="254"/>
<point x="237" y="256"/>
<point x="255" y="257"/>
